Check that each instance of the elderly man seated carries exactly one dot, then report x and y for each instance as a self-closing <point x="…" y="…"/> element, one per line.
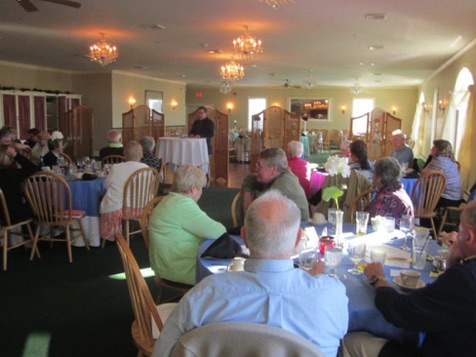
<point x="444" y="310"/>
<point x="115" y="147"/>
<point x="270" y="290"/>
<point x="401" y="151"/>
<point x="272" y="172"/>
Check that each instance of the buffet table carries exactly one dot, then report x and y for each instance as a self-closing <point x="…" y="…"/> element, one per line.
<point x="363" y="315"/>
<point x="179" y="151"/>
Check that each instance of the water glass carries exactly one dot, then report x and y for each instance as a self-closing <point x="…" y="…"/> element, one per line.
<point x="407" y="222"/>
<point x="333" y="258"/>
<point x="308" y="258"/>
<point x="419" y="258"/>
<point x="378" y="256"/>
<point x="390" y="224"/>
<point x="362" y="220"/>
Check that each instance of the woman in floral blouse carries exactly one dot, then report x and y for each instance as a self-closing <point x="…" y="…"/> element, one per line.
<point x="391" y="200"/>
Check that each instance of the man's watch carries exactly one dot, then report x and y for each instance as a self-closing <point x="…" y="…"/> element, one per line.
<point x="373" y="279"/>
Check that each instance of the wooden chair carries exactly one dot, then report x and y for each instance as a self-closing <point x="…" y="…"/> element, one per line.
<point x="451" y="214"/>
<point x="149" y="318"/>
<point x="360" y="202"/>
<point x="49" y="197"/>
<point x="181" y="289"/>
<point x="112" y="159"/>
<point x="67" y="159"/>
<point x="8" y="229"/>
<point x="237" y="215"/>
<point x="139" y="189"/>
<point x="426" y="194"/>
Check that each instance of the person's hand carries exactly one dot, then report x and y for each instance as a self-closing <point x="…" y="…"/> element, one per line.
<point x="374" y="269"/>
<point x="10" y="151"/>
<point x="448" y="238"/>
<point x="23" y="147"/>
<point x="318" y="268"/>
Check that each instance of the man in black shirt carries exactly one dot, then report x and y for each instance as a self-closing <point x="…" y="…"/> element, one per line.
<point x="203" y="127"/>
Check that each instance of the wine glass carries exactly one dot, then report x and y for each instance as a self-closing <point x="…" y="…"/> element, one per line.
<point x="80" y="163"/>
<point x="407" y="223"/>
<point x="356" y="252"/>
<point x="333" y="258"/>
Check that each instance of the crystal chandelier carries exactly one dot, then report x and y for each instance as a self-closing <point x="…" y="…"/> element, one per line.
<point x="232" y="71"/>
<point x="276" y="3"/>
<point x="311" y="82"/>
<point x="225" y="88"/>
<point x="247" y="46"/>
<point x="103" y="52"/>
<point x="356" y="89"/>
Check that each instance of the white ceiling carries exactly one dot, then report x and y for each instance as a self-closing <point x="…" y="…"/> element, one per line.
<point x="329" y="37"/>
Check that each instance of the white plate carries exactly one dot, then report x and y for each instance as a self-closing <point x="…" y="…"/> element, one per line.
<point x="398" y="280"/>
<point x="316" y="222"/>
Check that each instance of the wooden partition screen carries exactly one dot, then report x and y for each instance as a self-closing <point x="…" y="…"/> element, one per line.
<point x="273" y="127"/>
<point x="219" y="158"/>
<point x="375" y="128"/>
<point x="142" y="121"/>
<point x="77" y="128"/>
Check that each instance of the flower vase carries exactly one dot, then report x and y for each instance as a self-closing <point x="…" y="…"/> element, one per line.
<point x="339" y="227"/>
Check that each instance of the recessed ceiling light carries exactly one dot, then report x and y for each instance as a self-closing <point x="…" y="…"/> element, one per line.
<point x="372" y="64"/>
<point x="213" y="52"/>
<point x="205" y="45"/>
<point x="375" y="47"/>
<point x="183" y="75"/>
<point x="375" y="17"/>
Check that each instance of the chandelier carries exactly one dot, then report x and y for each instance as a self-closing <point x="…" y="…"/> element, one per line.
<point x="247" y="46"/>
<point x="356" y="89"/>
<point x="225" y="88"/>
<point x="276" y="3"/>
<point x="311" y="82"/>
<point x="103" y="52"/>
<point x="232" y="71"/>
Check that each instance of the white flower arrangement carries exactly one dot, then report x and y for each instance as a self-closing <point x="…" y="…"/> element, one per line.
<point x="57" y="135"/>
<point x="336" y="165"/>
<point x="378" y="222"/>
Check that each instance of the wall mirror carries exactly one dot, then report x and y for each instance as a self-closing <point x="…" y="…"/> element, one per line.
<point x="312" y="108"/>
<point x="153" y="99"/>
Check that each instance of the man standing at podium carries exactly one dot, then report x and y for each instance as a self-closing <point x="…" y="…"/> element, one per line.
<point x="203" y="127"/>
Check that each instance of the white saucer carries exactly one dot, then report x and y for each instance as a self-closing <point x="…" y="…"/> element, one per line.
<point x="316" y="222"/>
<point x="398" y="280"/>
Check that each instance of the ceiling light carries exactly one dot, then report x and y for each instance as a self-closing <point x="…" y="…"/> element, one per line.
<point x="225" y="88"/>
<point x="247" y="46"/>
<point x="375" y="17"/>
<point x="103" y="52"/>
<point x="276" y="3"/>
<point x="356" y="89"/>
<point x="232" y="71"/>
<point x="214" y="52"/>
<point x="375" y="47"/>
<point x="311" y="82"/>
<point x="156" y="27"/>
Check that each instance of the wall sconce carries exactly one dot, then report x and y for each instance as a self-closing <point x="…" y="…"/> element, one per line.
<point x="394" y="110"/>
<point x="132" y="102"/>
<point x="441" y="106"/>
<point x="173" y="104"/>
<point x="425" y="107"/>
<point x="229" y="106"/>
<point x="342" y="109"/>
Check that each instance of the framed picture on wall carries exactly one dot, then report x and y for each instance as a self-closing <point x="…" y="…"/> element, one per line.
<point x="153" y="99"/>
<point x="312" y="108"/>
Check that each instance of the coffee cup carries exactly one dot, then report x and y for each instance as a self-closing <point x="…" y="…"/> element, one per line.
<point x="409" y="278"/>
<point x="237" y="264"/>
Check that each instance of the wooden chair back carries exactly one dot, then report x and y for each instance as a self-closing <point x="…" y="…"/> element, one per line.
<point x="67" y="159"/>
<point x="112" y="159"/>
<point x="144" y="219"/>
<point x="360" y="202"/>
<point x="237" y="210"/>
<point x="141" y="186"/>
<point x="143" y="305"/>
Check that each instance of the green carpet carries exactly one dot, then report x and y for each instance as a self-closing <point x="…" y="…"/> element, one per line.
<point x="49" y="307"/>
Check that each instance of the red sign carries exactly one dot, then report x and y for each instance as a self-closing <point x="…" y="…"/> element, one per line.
<point x="198" y="94"/>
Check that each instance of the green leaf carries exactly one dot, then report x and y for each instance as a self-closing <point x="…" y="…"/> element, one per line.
<point x="332" y="193"/>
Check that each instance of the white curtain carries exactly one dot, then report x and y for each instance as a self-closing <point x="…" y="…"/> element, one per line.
<point x="418" y="129"/>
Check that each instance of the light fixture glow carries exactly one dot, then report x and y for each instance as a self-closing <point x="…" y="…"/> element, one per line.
<point x="356" y="89"/>
<point x="103" y="52"/>
<point x="232" y="71"/>
<point x="247" y="46"/>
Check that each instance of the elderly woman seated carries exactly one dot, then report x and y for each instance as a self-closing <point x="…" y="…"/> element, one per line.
<point x="178" y="226"/>
<point x="358" y="158"/>
<point x="392" y="199"/>
<point x="110" y="220"/>
<point x="148" y="158"/>
<point x="40" y="148"/>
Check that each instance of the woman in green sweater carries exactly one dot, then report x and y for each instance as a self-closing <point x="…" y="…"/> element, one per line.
<point x="178" y="226"/>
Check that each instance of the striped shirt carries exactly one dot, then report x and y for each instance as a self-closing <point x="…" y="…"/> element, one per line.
<point x="453" y="190"/>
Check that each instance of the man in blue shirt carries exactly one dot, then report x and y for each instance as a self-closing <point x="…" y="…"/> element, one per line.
<point x="270" y="290"/>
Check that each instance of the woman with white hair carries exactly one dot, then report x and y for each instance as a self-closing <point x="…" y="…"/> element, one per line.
<point x="178" y="226"/>
<point x="301" y="168"/>
<point x="110" y="220"/>
<point x="148" y="158"/>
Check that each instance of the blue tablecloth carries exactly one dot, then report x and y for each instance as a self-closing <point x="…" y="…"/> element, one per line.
<point x="408" y="184"/>
<point x="363" y="315"/>
<point x="86" y="195"/>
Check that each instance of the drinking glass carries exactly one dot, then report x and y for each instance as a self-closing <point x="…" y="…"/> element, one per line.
<point x="333" y="258"/>
<point x="331" y="217"/>
<point x="390" y="224"/>
<point x="361" y="220"/>
<point x="356" y="252"/>
<point x="308" y="258"/>
<point x="80" y="163"/>
<point x="407" y="222"/>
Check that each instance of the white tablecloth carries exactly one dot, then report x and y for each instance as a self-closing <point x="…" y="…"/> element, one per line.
<point x="179" y="151"/>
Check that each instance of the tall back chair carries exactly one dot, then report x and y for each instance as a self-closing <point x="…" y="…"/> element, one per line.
<point x="8" y="229"/>
<point x="426" y="194"/>
<point x="112" y="159"/>
<point x="149" y="318"/>
<point x="181" y="289"/>
<point x="49" y="197"/>
<point x="241" y="339"/>
<point x="237" y="210"/>
<point x="139" y="189"/>
<point x="360" y="202"/>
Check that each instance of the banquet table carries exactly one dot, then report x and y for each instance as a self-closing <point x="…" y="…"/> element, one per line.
<point x="408" y="184"/>
<point x="363" y="315"/>
<point x="179" y="151"/>
<point x="86" y="195"/>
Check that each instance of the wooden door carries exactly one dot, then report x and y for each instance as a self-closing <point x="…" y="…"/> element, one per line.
<point x="77" y="127"/>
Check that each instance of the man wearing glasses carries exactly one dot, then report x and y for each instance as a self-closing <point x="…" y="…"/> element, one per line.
<point x="203" y="127"/>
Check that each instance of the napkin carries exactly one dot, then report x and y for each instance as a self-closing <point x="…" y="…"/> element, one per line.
<point x="224" y="247"/>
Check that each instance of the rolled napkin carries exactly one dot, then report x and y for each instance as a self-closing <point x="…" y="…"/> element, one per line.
<point x="224" y="247"/>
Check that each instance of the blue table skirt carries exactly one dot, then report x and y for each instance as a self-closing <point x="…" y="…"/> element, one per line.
<point x="363" y="315"/>
<point x="87" y="195"/>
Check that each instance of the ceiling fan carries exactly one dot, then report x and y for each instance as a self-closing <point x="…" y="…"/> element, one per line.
<point x="288" y="84"/>
<point x="27" y="5"/>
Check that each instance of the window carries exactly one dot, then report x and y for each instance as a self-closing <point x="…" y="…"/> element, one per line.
<point x="255" y="106"/>
<point x="361" y="107"/>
